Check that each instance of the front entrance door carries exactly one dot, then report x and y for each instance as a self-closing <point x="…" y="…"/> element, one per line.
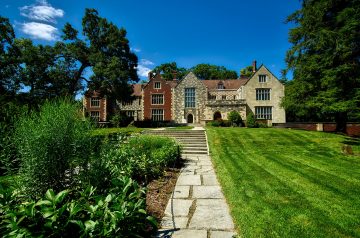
<point x="190" y="118"/>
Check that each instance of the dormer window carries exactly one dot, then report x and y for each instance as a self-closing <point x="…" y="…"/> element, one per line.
<point x="220" y="86"/>
<point x="262" y="78"/>
<point x="157" y="85"/>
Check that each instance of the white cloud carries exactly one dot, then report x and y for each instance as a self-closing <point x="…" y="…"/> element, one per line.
<point x="143" y="71"/>
<point x="146" y="62"/>
<point x="41" y="11"/>
<point x="136" y="50"/>
<point x="40" y="31"/>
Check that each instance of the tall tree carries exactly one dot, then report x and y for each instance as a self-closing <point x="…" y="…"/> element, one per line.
<point x="208" y="71"/>
<point x="325" y="59"/>
<point x="167" y="70"/>
<point x="105" y="50"/>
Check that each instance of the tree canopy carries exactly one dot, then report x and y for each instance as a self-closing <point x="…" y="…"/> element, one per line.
<point x="325" y="59"/>
<point x="44" y="72"/>
<point x="202" y="71"/>
<point x="247" y="71"/>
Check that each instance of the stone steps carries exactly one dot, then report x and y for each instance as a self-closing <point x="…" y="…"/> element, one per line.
<point x="192" y="141"/>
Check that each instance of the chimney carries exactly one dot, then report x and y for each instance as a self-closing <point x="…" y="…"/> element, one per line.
<point x="174" y="73"/>
<point x="150" y="75"/>
<point x="254" y="66"/>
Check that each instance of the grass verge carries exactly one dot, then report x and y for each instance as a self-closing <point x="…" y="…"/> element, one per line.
<point x="288" y="183"/>
<point x="107" y="131"/>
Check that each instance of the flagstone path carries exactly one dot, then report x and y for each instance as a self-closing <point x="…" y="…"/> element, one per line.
<point x="197" y="207"/>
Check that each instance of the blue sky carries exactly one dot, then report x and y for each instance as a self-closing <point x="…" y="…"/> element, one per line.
<point x="230" y="33"/>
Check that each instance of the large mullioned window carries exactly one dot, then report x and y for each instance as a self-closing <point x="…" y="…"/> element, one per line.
<point x="95" y="102"/>
<point x="189" y="97"/>
<point x="95" y="115"/>
<point x="157" y="99"/>
<point x="157" y="114"/>
<point x="263" y="113"/>
<point x="263" y="94"/>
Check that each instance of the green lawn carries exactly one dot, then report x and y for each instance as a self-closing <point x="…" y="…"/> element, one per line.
<point x="288" y="183"/>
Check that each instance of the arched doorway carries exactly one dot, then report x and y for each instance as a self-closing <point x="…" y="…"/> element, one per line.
<point x="217" y="115"/>
<point x="190" y="118"/>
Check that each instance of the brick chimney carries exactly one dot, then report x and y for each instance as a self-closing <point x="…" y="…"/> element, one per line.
<point x="174" y="73"/>
<point x="254" y="66"/>
<point x="150" y="74"/>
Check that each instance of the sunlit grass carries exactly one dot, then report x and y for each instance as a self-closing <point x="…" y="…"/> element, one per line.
<point x="288" y="183"/>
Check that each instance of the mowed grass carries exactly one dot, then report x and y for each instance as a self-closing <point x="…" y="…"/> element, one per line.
<point x="288" y="183"/>
<point x="107" y="131"/>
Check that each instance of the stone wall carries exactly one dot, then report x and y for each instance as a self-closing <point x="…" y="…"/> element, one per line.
<point x="136" y="105"/>
<point x="276" y="94"/>
<point x="180" y="113"/>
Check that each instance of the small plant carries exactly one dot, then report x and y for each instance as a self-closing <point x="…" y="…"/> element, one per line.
<point x="250" y="121"/>
<point x="235" y="118"/>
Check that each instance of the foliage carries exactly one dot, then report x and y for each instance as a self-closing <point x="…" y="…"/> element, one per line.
<point x="235" y="118"/>
<point x="71" y="213"/>
<point x="120" y="119"/>
<point x="167" y="71"/>
<point x="108" y="131"/>
<point x="250" y="121"/>
<point x="219" y="123"/>
<point x="325" y="60"/>
<point x="142" y="158"/>
<point x="247" y="71"/>
<point x="288" y="183"/>
<point x="208" y="71"/>
<point x="54" y="146"/>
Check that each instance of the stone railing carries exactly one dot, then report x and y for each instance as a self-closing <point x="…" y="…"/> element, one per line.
<point x="215" y="103"/>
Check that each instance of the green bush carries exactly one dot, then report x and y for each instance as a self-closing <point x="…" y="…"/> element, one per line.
<point x="54" y="146"/>
<point x="219" y="123"/>
<point x="250" y="121"/>
<point x="120" y="119"/>
<point x="142" y="157"/>
<point x="85" y="213"/>
<point x="235" y="118"/>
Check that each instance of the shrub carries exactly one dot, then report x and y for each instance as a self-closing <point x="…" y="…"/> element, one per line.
<point x="250" y="121"/>
<point x="235" y="118"/>
<point x="120" y="120"/>
<point x="54" y="147"/>
<point x="219" y="123"/>
<point x="142" y="158"/>
<point x="85" y="213"/>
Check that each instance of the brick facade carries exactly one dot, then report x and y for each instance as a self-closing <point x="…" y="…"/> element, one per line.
<point x="164" y="88"/>
<point x="92" y="110"/>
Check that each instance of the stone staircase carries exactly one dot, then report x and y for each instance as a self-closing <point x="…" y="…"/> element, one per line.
<point x="192" y="141"/>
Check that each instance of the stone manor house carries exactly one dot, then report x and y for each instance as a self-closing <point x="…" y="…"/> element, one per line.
<point x="194" y="100"/>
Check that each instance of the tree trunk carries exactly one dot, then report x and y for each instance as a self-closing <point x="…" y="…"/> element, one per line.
<point x="341" y="120"/>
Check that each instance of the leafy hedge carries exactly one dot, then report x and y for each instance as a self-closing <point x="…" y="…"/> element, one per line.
<point x="85" y="213"/>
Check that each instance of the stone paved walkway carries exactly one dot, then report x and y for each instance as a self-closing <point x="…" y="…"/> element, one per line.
<point x="197" y="208"/>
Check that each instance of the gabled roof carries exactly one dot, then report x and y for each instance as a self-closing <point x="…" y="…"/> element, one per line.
<point x="137" y="89"/>
<point x="228" y="83"/>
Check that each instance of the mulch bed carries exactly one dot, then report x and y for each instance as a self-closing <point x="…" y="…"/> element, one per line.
<point x="159" y="192"/>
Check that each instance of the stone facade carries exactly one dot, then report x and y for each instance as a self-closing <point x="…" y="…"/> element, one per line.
<point x="277" y="92"/>
<point x="260" y="94"/>
<point x="183" y="114"/>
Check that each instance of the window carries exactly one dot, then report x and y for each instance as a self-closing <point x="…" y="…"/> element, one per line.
<point x="212" y="97"/>
<point x="157" y="85"/>
<point x="189" y="97"/>
<point x="157" y="99"/>
<point x="220" y="86"/>
<point x="234" y="97"/>
<point x="127" y="103"/>
<point x="262" y="78"/>
<point x="139" y="98"/>
<point x="95" y="115"/>
<point x="223" y="97"/>
<point x="263" y="113"/>
<point x="157" y="114"/>
<point x="263" y="94"/>
<point x="130" y="113"/>
<point x="95" y="102"/>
